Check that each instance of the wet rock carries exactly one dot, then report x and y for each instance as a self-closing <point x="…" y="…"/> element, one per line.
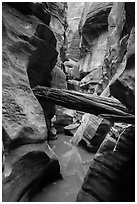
<point x="27" y="168"/>
<point x="28" y="160"/>
<point x="63" y="118"/>
<point x="112" y="173"/>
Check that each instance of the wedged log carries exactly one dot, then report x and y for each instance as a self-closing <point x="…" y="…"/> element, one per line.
<point x="118" y="118"/>
<point x="83" y="102"/>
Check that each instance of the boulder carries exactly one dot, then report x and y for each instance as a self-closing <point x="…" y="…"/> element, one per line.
<point x="91" y="132"/>
<point x="64" y="117"/>
<point x="27" y="168"/>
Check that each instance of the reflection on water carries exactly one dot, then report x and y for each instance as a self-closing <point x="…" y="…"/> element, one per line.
<point x="74" y="163"/>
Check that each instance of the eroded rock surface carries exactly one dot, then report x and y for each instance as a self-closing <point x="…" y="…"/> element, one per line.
<point x="111" y="175"/>
<point x="112" y="172"/>
<point x="94" y="48"/>
<point x="74" y="13"/>
<point x="29" y="46"/>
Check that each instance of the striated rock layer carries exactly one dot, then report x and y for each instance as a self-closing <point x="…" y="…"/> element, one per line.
<point x="74" y="13"/>
<point x="101" y="49"/>
<point x="29" y="55"/>
<point x="111" y="176"/>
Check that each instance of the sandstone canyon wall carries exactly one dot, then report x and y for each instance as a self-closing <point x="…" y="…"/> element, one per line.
<point x="95" y="43"/>
<point x="30" y="52"/>
<point x="108" y="55"/>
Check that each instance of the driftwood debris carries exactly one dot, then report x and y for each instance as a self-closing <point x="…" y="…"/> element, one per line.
<point x="84" y="102"/>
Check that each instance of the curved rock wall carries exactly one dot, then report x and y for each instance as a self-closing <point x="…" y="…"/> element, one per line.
<point x="108" y="177"/>
<point x="74" y="13"/>
<point x="58" y="23"/>
<point x="29" y="55"/>
<point x="100" y="43"/>
<point x="94" y="21"/>
<point x="89" y="43"/>
<point x="96" y="40"/>
<point x="91" y="64"/>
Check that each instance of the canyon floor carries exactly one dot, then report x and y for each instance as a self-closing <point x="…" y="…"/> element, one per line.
<point x="74" y="162"/>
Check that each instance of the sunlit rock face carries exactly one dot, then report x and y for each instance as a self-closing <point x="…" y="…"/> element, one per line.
<point x="91" y="64"/>
<point x="29" y="55"/>
<point x="102" y="182"/>
<point x="120" y="43"/>
<point x="94" y="21"/>
<point x="58" y="22"/>
<point x="93" y="46"/>
<point x="89" y="41"/>
<point x="74" y="13"/>
<point x="100" y="44"/>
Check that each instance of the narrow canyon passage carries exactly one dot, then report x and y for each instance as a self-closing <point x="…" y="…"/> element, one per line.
<point x="68" y="101"/>
<point x="74" y="162"/>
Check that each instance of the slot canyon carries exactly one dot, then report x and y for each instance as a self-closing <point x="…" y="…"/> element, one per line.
<point x="68" y="101"/>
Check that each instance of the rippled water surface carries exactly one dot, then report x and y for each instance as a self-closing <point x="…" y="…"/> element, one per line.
<point x="74" y="162"/>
